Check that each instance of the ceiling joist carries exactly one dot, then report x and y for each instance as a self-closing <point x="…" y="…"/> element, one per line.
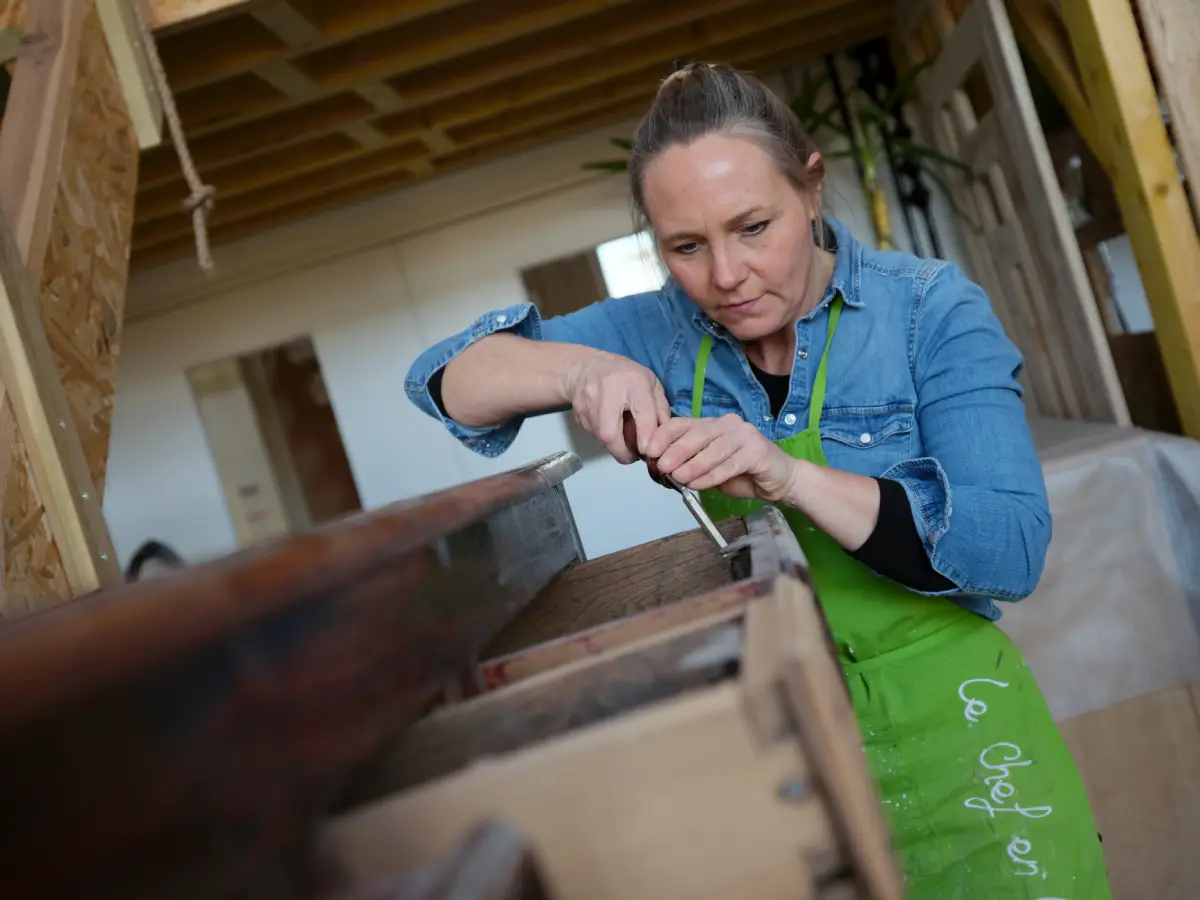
<point x="293" y="106"/>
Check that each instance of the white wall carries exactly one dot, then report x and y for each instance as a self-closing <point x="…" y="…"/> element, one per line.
<point x="374" y="285"/>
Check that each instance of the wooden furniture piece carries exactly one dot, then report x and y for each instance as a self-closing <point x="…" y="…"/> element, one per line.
<point x="311" y="719"/>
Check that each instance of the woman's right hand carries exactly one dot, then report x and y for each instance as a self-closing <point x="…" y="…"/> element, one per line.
<point x="603" y="387"/>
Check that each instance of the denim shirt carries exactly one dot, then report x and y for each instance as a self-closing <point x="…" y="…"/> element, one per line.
<point x="922" y="388"/>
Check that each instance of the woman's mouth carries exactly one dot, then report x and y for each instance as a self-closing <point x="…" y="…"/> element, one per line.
<point x="744" y="306"/>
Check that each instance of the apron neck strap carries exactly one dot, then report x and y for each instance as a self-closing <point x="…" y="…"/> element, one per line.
<point x="818" y="396"/>
<point x="698" y="377"/>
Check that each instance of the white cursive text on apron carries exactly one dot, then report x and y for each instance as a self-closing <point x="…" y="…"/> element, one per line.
<point x="976" y="708"/>
<point x="1000" y="788"/>
<point x="1017" y="849"/>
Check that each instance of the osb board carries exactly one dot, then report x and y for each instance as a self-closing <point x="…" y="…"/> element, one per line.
<point x="1140" y="761"/>
<point x="82" y="299"/>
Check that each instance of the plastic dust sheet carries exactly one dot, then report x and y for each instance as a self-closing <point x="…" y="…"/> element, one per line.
<point x="1116" y="613"/>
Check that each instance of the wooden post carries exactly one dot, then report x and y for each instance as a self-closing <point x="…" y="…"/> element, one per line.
<point x="133" y="69"/>
<point x="1120" y="91"/>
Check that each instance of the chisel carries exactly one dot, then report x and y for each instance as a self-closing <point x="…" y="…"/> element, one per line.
<point x="690" y="498"/>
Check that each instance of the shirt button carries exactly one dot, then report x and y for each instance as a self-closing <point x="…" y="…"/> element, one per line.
<point x="789" y="419"/>
<point x="864" y="438"/>
<point x="804" y="354"/>
<point x="501" y="319"/>
<point x="768" y="418"/>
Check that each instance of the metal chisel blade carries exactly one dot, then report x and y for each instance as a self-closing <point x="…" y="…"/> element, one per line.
<point x="692" y="500"/>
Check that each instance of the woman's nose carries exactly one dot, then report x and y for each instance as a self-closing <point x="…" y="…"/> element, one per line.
<point x="728" y="269"/>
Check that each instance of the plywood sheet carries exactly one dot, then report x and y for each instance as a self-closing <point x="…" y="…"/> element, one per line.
<point x="12" y="13"/>
<point x="82" y="300"/>
<point x="1140" y="761"/>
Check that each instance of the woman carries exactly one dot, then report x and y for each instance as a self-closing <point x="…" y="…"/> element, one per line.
<point x="873" y="397"/>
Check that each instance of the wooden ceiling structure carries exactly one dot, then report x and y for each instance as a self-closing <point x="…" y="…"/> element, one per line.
<point x="294" y="106"/>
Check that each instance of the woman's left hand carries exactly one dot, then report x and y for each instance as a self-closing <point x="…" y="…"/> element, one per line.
<point x="727" y="453"/>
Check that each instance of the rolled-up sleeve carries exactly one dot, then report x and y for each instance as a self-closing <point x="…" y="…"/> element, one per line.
<point x="977" y="494"/>
<point x="522" y="320"/>
<point x="611" y="325"/>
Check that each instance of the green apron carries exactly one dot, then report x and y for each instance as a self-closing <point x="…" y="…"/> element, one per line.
<point x="983" y="798"/>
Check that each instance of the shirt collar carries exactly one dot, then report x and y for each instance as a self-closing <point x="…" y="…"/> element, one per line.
<point x="847" y="269"/>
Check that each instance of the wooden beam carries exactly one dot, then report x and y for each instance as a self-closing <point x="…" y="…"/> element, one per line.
<point x="1041" y="34"/>
<point x="488" y="83"/>
<point x="452" y="33"/>
<point x="172" y="13"/>
<point x="482" y="125"/>
<point x="1172" y="30"/>
<point x="1116" y="76"/>
<point x="147" y="254"/>
<point x="32" y="142"/>
<point x="129" y="54"/>
<point x="240" y="97"/>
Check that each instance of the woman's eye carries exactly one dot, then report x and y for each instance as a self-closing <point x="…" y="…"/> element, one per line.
<point x="686" y="249"/>
<point x="756" y="228"/>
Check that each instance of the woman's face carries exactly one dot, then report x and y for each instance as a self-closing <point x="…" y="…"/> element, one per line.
<point x="733" y="231"/>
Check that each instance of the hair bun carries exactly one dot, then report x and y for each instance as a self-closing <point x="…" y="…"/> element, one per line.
<point x="681" y="70"/>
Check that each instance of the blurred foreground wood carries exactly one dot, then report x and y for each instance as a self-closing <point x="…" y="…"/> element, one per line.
<point x="312" y="719"/>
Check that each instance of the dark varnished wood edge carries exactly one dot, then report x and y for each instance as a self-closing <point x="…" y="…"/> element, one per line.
<point x="185" y="763"/>
<point x="121" y="632"/>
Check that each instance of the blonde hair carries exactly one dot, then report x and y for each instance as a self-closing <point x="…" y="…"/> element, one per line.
<point x="700" y="99"/>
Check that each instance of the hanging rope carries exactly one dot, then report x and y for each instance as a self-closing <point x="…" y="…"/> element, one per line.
<point x="203" y="196"/>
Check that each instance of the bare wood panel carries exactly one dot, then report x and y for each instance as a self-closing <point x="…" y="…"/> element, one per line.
<point x="1140" y="762"/>
<point x="614" y="812"/>
<point x="815" y="690"/>
<point x="621" y="584"/>
<point x="586" y="693"/>
<point x="86" y="269"/>
<point x="500" y="671"/>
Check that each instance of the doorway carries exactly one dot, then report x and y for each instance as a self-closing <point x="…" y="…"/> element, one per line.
<point x="274" y="437"/>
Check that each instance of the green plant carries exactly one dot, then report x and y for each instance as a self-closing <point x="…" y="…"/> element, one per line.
<point x="867" y="126"/>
